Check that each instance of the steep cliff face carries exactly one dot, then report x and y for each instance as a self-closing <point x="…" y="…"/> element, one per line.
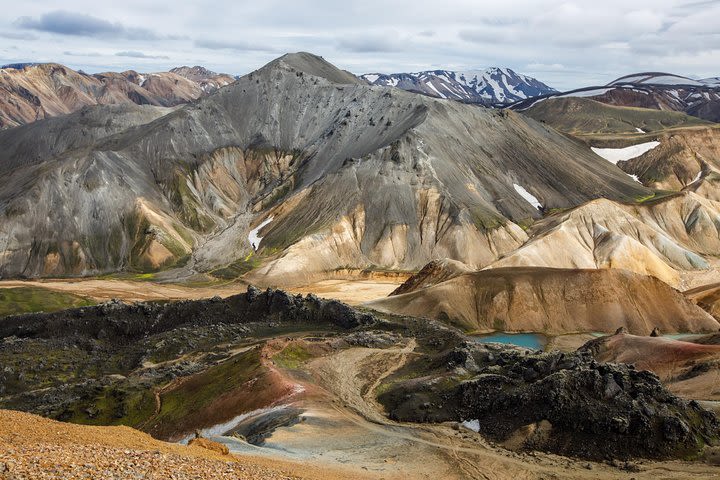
<point x="346" y="174"/>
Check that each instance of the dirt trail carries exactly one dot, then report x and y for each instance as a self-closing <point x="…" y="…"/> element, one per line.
<point x="354" y="374"/>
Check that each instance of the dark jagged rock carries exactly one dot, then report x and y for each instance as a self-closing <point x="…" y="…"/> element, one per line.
<point x="584" y="408"/>
<point x="128" y="322"/>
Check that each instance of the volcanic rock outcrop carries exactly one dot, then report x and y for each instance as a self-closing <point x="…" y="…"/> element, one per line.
<point x="564" y="403"/>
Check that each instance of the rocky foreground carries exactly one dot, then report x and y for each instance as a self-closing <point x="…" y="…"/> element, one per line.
<point x="32" y="447"/>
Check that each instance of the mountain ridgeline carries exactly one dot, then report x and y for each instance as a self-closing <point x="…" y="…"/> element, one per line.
<point x="494" y="86"/>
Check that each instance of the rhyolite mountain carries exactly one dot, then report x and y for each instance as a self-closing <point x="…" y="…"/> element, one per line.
<point x="346" y="174"/>
<point x="660" y="91"/>
<point x="494" y="86"/>
<point x="33" y="91"/>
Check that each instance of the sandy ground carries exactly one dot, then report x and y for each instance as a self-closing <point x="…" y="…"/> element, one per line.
<point x="353" y="292"/>
<point x="569" y="342"/>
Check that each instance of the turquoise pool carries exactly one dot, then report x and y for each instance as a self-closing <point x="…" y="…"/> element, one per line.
<point x="534" y="341"/>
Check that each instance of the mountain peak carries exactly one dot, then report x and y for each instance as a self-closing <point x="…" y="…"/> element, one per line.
<point x="196" y="71"/>
<point x="314" y="65"/>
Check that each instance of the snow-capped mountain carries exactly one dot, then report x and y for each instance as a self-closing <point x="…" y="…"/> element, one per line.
<point x="490" y="87"/>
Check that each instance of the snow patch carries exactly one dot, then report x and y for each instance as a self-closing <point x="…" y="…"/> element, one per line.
<point x="529" y="197"/>
<point x="640" y="130"/>
<point x="253" y="236"/>
<point x="587" y="93"/>
<point x="615" y="155"/>
<point x="473" y="425"/>
<point x="372" y="78"/>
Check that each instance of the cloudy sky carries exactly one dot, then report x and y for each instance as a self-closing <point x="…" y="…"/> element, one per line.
<point x="567" y="44"/>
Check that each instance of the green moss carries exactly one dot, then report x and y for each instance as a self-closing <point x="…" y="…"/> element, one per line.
<point x="144" y="276"/>
<point x="292" y="356"/>
<point x="238" y="268"/>
<point x="655" y="196"/>
<point x="484" y="219"/>
<point x="37" y="299"/>
<point x="114" y="405"/>
<point x="202" y="389"/>
<point x="187" y="206"/>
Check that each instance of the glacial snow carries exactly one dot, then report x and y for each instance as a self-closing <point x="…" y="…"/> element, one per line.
<point x="527" y="196"/>
<point x="614" y="155"/>
<point x="253" y="236"/>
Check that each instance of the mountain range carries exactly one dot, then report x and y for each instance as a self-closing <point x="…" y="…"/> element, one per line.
<point x="284" y="168"/>
<point x="338" y="174"/>
<point x="36" y="91"/>
<point x="494" y="86"/>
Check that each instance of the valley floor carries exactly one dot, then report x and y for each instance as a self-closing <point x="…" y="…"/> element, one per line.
<point x="352" y="292"/>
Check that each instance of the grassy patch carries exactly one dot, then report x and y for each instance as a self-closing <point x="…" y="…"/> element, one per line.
<point x="292" y="356"/>
<point x="37" y="299"/>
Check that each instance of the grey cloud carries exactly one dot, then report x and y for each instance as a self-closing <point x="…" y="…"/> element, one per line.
<point x="134" y="54"/>
<point x="79" y="24"/>
<point x="594" y="42"/>
<point x="82" y="54"/>
<point x="239" y="46"/>
<point x="18" y="35"/>
<point x="370" y="44"/>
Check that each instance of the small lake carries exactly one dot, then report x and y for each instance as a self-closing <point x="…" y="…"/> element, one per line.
<point x="534" y="341"/>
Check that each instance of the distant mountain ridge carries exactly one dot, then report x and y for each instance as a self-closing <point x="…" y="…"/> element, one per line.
<point x="33" y="91"/>
<point x="655" y="90"/>
<point x="494" y="86"/>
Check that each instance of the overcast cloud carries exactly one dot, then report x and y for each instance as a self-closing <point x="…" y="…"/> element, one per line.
<point x="566" y="44"/>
